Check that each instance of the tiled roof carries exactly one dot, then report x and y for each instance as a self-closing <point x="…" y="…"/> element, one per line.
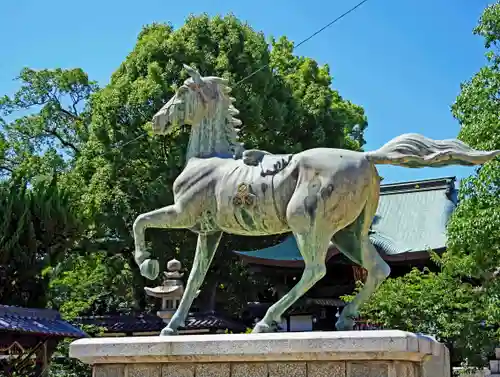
<point x="124" y="323"/>
<point x="153" y="323"/>
<point x="411" y="217"/>
<point x="36" y="321"/>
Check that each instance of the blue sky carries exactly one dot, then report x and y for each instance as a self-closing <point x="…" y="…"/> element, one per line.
<point x="403" y="61"/>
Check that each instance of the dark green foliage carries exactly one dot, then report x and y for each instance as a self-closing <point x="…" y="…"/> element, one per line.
<point x="38" y="227"/>
<point x="286" y="107"/>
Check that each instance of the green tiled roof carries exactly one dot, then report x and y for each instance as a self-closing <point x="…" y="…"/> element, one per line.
<point x="411" y="217"/>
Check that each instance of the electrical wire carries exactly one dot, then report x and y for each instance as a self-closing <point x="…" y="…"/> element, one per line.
<point x="118" y="145"/>
<point x="308" y="38"/>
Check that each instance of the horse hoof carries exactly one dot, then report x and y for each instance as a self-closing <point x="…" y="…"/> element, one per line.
<point x="167" y="331"/>
<point x="150" y="269"/>
<point x="261" y="328"/>
<point x="264" y="328"/>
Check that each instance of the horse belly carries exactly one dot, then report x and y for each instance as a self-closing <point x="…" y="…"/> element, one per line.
<point x="252" y="206"/>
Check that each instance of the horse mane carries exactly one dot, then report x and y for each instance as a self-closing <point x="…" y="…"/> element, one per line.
<point x="231" y="126"/>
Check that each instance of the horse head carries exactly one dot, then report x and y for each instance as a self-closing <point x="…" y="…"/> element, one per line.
<point x="204" y="104"/>
<point x="197" y="98"/>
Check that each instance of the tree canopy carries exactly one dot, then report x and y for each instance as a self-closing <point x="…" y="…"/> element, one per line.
<point x="286" y="106"/>
<point x="38" y="227"/>
<point x="97" y="141"/>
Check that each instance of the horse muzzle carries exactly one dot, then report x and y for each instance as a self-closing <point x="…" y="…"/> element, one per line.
<point x="161" y="123"/>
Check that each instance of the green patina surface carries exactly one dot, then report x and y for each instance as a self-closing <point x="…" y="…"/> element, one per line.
<point x="318" y="194"/>
<point x="411" y="217"/>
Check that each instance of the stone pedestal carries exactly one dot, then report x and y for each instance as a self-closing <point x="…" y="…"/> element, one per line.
<point x="310" y="354"/>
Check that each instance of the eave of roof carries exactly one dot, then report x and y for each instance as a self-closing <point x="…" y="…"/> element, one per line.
<point x="151" y="323"/>
<point x="44" y="322"/>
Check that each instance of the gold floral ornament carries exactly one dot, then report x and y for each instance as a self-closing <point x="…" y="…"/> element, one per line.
<point x="244" y="196"/>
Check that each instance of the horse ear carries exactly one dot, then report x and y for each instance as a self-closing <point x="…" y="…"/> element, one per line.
<point x="195" y="75"/>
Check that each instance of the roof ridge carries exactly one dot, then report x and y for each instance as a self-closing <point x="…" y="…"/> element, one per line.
<point x="445" y="178"/>
<point x="18" y="311"/>
<point x="418" y="185"/>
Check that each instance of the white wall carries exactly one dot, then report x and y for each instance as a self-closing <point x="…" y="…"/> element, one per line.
<point x="301" y="323"/>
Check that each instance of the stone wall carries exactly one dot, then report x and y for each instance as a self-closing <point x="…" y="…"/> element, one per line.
<point x="293" y="369"/>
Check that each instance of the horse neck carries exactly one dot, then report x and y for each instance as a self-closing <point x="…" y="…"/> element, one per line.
<point x="211" y="137"/>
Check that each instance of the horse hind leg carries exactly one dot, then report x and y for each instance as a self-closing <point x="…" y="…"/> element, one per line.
<point x="313" y="233"/>
<point x="355" y="243"/>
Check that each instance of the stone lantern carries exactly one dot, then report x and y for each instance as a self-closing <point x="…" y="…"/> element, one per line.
<point x="170" y="291"/>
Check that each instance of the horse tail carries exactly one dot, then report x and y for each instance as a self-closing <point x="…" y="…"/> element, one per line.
<point x="417" y="151"/>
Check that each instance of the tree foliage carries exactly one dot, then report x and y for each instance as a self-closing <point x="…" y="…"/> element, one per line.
<point x="38" y="227"/>
<point x="438" y="304"/>
<point x="474" y="231"/>
<point x="49" y="121"/>
<point x="67" y="242"/>
<point x="91" y="284"/>
<point x="286" y="106"/>
<point x="460" y="304"/>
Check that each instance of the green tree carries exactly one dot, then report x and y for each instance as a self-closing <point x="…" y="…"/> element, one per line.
<point x="460" y="304"/>
<point x="49" y="121"/>
<point x="474" y="231"/>
<point x="48" y="124"/>
<point x="38" y="226"/>
<point x="44" y="126"/>
<point x="286" y="106"/>
<point x="436" y="304"/>
<point x="91" y="284"/>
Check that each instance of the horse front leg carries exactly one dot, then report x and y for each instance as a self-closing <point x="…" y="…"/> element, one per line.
<point x="173" y="216"/>
<point x="205" y="250"/>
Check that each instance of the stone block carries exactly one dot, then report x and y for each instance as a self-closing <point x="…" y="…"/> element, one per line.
<point x="437" y="364"/>
<point x="143" y="370"/>
<point x="405" y="369"/>
<point x="109" y="370"/>
<point x="368" y="369"/>
<point x="224" y="348"/>
<point x="288" y="369"/>
<point x="249" y="370"/>
<point x="326" y="369"/>
<point x="178" y="370"/>
<point x="213" y="370"/>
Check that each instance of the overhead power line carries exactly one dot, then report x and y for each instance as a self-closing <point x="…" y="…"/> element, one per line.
<point x="305" y="40"/>
<point x="309" y="37"/>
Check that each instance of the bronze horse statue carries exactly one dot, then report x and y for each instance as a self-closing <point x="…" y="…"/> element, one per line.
<point x="321" y="195"/>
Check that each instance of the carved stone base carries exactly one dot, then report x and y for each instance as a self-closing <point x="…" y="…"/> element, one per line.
<point x="312" y="354"/>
